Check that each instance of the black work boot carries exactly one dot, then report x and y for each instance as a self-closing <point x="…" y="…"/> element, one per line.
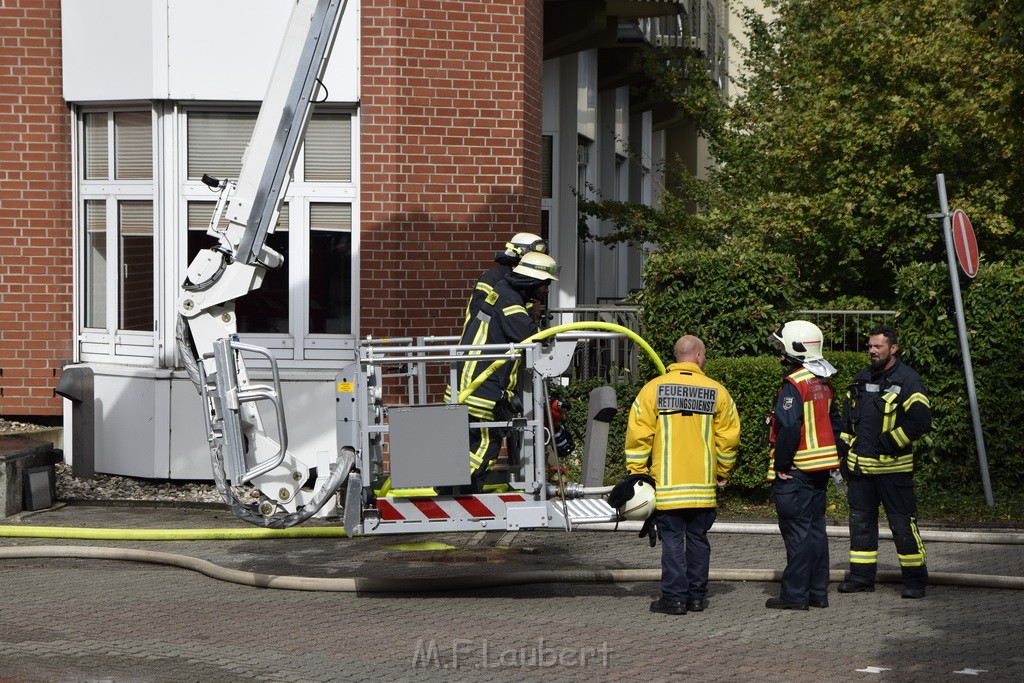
<point x="665" y="605"/>
<point x="855" y="587"/>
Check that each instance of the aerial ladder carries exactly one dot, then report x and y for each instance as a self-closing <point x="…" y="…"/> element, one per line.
<point x="392" y="451"/>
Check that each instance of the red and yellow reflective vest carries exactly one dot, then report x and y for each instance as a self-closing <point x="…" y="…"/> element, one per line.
<point x="817" y="447"/>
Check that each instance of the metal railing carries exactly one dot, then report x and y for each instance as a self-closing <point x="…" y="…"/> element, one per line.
<point x="615" y="358"/>
<point x="612" y="358"/>
<point x="846" y="330"/>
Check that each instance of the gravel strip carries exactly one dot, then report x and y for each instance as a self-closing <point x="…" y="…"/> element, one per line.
<point x="105" y="487"/>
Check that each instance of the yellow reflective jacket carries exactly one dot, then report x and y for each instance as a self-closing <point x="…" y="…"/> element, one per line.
<point x="684" y="431"/>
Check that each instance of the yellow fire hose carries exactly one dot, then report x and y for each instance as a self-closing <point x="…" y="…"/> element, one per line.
<point x="543" y="334"/>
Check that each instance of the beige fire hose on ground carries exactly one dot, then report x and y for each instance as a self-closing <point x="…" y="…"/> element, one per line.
<point x="418" y="585"/>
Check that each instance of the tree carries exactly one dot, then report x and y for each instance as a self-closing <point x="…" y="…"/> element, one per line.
<point x="849" y="112"/>
<point x="1003" y="21"/>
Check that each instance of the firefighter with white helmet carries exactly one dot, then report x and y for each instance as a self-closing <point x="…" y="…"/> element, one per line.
<point x="507" y="258"/>
<point x="538" y="266"/>
<point x="804" y="429"/>
<point x="801" y="342"/>
<point x="501" y="318"/>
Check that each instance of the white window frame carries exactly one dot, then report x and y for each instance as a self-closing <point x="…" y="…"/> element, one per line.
<point x="298" y="346"/>
<point x="109" y="343"/>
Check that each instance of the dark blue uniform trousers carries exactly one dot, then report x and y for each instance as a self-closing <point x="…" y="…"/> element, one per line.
<point x="685" y="552"/>
<point x="800" y="503"/>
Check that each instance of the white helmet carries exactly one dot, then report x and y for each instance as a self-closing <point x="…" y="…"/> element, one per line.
<point x="523" y="243"/>
<point x="538" y="266"/>
<point x="798" y="340"/>
<point x="640" y="505"/>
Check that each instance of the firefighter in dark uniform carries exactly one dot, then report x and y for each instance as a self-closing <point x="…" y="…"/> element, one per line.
<point x="521" y="244"/>
<point x="502" y="318"/>
<point x="804" y="430"/>
<point x="886" y="410"/>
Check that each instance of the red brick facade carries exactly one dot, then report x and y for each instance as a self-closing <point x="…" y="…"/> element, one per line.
<point x="450" y="144"/>
<point x="451" y="126"/>
<point x="35" y="210"/>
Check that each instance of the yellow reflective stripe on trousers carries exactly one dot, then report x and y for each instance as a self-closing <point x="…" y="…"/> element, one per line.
<point x="918" y="541"/>
<point x="915" y="560"/>
<point x="863" y="556"/>
<point x="476" y="458"/>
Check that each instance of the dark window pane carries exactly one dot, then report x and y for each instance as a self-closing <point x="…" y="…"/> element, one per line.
<point x="330" y="282"/>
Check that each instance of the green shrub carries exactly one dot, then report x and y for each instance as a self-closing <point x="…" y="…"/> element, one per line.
<point x="731" y="297"/>
<point x="752" y="382"/>
<point x="948" y="458"/>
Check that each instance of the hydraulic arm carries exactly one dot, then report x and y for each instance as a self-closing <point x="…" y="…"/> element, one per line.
<point x="245" y="214"/>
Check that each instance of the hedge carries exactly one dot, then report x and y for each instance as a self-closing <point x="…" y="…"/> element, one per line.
<point x="732" y="298"/>
<point x="993" y="303"/>
<point x="752" y="382"/>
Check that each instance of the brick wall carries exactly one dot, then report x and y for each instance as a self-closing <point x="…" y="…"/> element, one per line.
<point x="451" y="125"/>
<point x="35" y="210"/>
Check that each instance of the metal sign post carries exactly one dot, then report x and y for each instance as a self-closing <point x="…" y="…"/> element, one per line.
<point x="961" y="326"/>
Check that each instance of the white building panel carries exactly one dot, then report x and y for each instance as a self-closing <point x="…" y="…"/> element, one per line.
<point x="118" y="50"/>
<point x="107" y="49"/>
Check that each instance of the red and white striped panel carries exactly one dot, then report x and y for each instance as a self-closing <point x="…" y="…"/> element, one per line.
<point x="445" y="507"/>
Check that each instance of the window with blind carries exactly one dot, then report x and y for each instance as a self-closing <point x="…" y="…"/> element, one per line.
<point x="216" y="142"/>
<point x="117" y="257"/>
<point x="136" y="240"/>
<point x="94" y="268"/>
<point x="135" y="289"/>
<point x="328" y="148"/>
<point x="312" y="293"/>
<point x="330" y="268"/>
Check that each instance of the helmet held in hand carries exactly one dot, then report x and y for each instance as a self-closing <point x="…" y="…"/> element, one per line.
<point x="641" y="504"/>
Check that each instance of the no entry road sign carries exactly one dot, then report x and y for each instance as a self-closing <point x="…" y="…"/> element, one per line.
<point x="965" y="243"/>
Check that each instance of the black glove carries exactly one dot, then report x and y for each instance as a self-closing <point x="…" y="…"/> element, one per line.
<point x="843" y="449"/>
<point x="650" y="529"/>
<point x="623" y="491"/>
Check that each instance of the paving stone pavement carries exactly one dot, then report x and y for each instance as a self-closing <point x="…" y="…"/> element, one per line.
<point x="117" y="621"/>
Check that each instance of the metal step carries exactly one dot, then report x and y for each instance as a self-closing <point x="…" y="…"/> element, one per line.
<point x="589" y="511"/>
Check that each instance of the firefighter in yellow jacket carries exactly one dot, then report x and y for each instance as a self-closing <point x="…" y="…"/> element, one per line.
<point x="684" y="431"/>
